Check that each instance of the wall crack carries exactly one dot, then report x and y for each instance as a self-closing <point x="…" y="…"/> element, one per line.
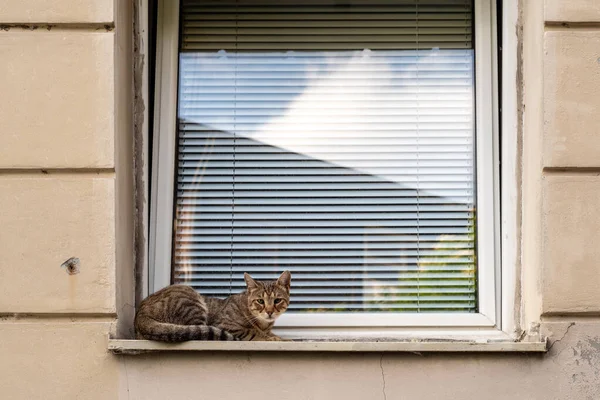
<point x="382" y="377"/>
<point x="562" y="337"/>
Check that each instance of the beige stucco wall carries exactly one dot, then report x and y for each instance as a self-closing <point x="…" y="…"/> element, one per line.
<point x="66" y="190"/>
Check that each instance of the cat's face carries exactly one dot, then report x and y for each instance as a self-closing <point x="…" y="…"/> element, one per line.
<point x="267" y="300"/>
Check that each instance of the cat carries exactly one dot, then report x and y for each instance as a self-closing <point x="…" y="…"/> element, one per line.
<point x="178" y="313"/>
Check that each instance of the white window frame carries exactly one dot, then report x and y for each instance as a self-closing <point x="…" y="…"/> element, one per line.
<point x="496" y="283"/>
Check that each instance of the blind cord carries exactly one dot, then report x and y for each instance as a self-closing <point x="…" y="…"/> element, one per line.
<point x="418" y="169"/>
<point x="235" y="61"/>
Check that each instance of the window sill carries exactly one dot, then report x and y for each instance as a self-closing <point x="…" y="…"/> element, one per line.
<point x="133" y="347"/>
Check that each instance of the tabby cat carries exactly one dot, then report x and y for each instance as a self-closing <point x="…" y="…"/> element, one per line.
<point x="178" y="313"/>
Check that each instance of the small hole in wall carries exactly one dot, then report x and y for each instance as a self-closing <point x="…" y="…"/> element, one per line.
<point x="71" y="265"/>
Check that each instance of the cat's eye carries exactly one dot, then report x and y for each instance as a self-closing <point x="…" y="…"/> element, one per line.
<point x="260" y="301"/>
<point x="277" y="301"/>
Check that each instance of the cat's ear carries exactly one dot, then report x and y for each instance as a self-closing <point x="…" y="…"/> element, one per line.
<point x="285" y="279"/>
<point x="250" y="283"/>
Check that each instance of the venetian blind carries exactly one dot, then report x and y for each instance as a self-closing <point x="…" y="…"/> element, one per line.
<point x="333" y="139"/>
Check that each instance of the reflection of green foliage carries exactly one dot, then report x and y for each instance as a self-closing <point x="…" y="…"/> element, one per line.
<point x="468" y="272"/>
<point x="444" y="257"/>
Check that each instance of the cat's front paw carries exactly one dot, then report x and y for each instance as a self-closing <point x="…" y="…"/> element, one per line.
<point x="274" y="339"/>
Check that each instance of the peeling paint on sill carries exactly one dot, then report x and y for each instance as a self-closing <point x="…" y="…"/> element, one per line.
<point x="133" y="347"/>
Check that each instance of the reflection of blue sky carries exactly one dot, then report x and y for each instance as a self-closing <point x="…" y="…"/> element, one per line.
<point x="404" y="116"/>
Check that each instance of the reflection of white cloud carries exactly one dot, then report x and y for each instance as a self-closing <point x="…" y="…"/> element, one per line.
<point x="329" y="105"/>
<point x="329" y="109"/>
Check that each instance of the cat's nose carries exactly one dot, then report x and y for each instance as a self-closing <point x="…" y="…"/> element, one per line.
<point x="270" y="314"/>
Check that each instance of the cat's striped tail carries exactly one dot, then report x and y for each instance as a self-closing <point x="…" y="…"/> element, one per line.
<point x="173" y="333"/>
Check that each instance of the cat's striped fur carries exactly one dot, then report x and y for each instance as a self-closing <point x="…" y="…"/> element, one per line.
<point x="178" y="313"/>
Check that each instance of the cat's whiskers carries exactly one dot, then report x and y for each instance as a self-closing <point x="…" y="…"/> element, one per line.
<point x="252" y="319"/>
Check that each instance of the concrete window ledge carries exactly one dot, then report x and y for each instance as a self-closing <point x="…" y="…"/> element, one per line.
<point x="132" y="347"/>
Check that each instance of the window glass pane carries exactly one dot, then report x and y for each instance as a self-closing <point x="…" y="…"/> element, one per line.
<point x="334" y="141"/>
